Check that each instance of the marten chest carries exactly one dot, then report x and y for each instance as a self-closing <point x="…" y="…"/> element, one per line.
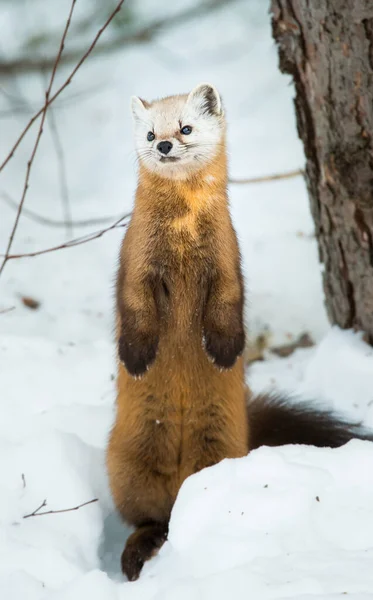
<point x="184" y="260"/>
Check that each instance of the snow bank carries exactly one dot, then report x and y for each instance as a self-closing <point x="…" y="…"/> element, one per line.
<point x="52" y="435"/>
<point x="280" y="523"/>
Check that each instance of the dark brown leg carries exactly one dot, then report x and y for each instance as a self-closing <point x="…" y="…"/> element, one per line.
<point x="224" y="336"/>
<point x="142" y="545"/>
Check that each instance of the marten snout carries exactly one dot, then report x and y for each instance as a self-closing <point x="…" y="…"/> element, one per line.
<point x="164" y="147"/>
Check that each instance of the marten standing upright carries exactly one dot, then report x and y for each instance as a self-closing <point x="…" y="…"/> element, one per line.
<point x="182" y="403"/>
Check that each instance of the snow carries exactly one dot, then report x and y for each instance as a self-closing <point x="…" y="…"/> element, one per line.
<point x="294" y="522"/>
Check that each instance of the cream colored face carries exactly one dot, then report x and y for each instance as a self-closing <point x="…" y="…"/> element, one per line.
<point x="179" y="135"/>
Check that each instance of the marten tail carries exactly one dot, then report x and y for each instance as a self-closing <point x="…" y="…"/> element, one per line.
<point x="277" y="421"/>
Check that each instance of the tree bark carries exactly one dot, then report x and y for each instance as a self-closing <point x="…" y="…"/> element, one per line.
<point x="327" y="47"/>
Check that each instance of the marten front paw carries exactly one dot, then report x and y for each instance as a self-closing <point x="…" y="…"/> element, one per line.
<point x="223" y="349"/>
<point x="137" y="356"/>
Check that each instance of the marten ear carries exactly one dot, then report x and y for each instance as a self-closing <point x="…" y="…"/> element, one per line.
<point x="206" y="99"/>
<point x="138" y="108"/>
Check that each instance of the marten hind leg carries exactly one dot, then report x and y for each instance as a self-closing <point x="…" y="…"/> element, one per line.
<point x="141" y="546"/>
<point x="144" y="498"/>
<point x="144" y="502"/>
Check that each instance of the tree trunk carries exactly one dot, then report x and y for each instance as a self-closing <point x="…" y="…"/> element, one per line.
<point x="327" y="47"/>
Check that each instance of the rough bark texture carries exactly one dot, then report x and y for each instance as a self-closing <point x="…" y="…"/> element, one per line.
<point x="327" y="47"/>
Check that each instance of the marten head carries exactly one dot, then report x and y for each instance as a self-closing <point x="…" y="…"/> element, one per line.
<point x="178" y="136"/>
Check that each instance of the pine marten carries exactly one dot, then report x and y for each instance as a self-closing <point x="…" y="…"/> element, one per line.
<point x="182" y="402"/>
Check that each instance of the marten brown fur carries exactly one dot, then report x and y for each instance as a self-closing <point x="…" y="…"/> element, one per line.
<point x="182" y="398"/>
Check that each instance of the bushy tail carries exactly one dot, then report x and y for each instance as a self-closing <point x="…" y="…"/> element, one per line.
<point x="277" y="421"/>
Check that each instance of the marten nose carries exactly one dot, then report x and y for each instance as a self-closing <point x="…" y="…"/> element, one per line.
<point x="164" y="147"/>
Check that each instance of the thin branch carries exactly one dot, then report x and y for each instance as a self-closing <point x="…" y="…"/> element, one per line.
<point x="36" y="512"/>
<point x="6" y="310"/>
<point x="38" y="218"/>
<point x="71" y="243"/>
<point x="62" y="174"/>
<point x="38" y="137"/>
<point x="80" y="95"/>
<point x="63" y="86"/>
<point x="16" y="100"/>
<point x="275" y="177"/>
<point x="44" y="503"/>
<point x="143" y="35"/>
<point x="118" y="223"/>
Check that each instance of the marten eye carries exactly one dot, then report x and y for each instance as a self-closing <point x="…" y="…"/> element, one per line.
<point x="186" y="130"/>
<point x="150" y="136"/>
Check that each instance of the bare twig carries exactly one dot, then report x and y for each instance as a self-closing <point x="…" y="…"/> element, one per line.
<point x="38" y="137"/>
<point x="38" y="218"/>
<point x="275" y="177"/>
<point x="63" y="86"/>
<point x="141" y="36"/>
<point x="118" y="223"/>
<point x="65" y="199"/>
<point x="6" y="310"/>
<point x="67" y="100"/>
<point x="16" y="100"/>
<point x="71" y="243"/>
<point x="36" y="512"/>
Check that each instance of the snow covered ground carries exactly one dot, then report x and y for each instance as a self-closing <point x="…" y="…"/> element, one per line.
<point x="294" y="522"/>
